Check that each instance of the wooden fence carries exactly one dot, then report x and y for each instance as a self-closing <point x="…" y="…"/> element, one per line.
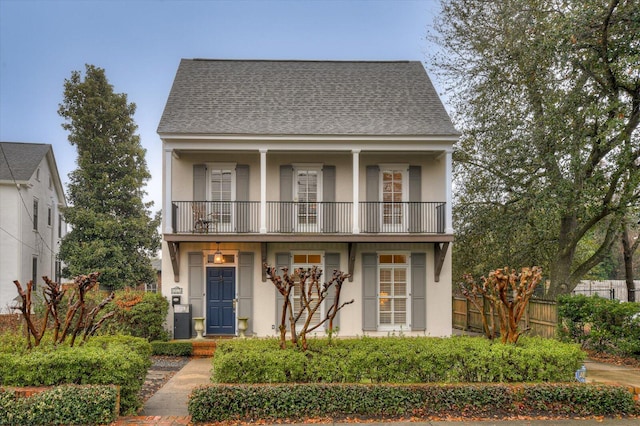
<point x="540" y="318"/>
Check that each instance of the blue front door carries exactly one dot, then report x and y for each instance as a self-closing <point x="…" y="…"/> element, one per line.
<point x="221" y="292"/>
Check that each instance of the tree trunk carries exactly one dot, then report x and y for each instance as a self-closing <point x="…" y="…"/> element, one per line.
<point x="628" y="263"/>
<point x="560" y="266"/>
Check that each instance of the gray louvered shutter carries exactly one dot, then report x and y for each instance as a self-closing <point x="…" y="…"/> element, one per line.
<point x="199" y="182"/>
<point x="418" y="291"/>
<point x="199" y="206"/>
<point x="243" y="209"/>
<point x="286" y="198"/>
<point x="329" y="219"/>
<point x="331" y="263"/>
<point x="416" y="211"/>
<point x="245" y="288"/>
<point x="282" y="261"/>
<point x="372" y="208"/>
<point x="196" y="285"/>
<point x="369" y="292"/>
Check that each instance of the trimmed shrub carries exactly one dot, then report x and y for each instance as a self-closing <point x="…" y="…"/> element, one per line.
<point x="297" y="402"/>
<point x="138" y="314"/>
<point x="396" y="360"/>
<point x="172" y="348"/>
<point x="67" y="404"/>
<point x="600" y="324"/>
<point x="118" y="360"/>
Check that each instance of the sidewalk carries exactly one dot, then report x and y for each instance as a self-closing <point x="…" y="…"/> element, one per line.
<point x="168" y="407"/>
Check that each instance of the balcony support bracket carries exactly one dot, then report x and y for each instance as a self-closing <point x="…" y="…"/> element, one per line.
<point x="440" y="252"/>
<point x="263" y="258"/>
<point x="174" y="254"/>
<point x="352" y="260"/>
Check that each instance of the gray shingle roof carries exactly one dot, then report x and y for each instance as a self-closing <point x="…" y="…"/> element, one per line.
<point x="19" y="161"/>
<point x="303" y="98"/>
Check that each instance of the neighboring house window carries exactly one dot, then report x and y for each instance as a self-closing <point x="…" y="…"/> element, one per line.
<point x="35" y="214"/>
<point x="34" y="271"/>
<point x="393" y="290"/>
<point x="49" y="216"/>
<point x="393" y="194"/>
<point x="59" y="226"/>
<point x="307" y="193"/>
<point x="222" y="194"/>
<point x="58" y="270"/>
<point x="306" y="260"/>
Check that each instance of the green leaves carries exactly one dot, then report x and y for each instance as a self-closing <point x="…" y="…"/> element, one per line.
<point x="112" y="228"/>
<point x="546" y="99"/>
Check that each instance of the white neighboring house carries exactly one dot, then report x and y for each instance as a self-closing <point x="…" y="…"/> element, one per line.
<point x="31" y="223"/>
<point x="338" y="164"/>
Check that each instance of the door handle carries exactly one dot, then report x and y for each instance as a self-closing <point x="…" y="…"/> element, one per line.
<point x="235" y="302"/>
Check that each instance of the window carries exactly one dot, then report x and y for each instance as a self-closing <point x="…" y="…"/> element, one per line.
<point x="221" y="194"/>
<point x="59" y="226"/>
<point x="49" y="216"/>
<point x="35" y="214"/>
<point x="34" y="271"/>
<point x="306" y="260"/>
<point x="307" y="195"/>
<point x="393" y="290"/>
<point x="394" y="193"/>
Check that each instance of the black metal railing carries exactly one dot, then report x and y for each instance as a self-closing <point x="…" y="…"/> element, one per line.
<point x="287" y="217"/>
<point x="402" y="217"/>
<point x="216" y="217"/>
<point x="309" y="217"/>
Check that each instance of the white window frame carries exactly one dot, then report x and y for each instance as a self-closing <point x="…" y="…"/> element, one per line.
<point x="307" y="227"/>
<point x="403" y="226"/>
<point x="216" y="226"/>
<point x="394" y="327"/>
<point x="322" y="280"/>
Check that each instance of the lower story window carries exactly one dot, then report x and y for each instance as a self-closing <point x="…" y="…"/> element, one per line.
<point x="393" y="290"/>
<point x="306" y="261"/>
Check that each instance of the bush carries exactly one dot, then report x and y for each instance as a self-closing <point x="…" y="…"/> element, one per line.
<point x="600" y="324"/>
<point x="396" y="360"/>
<point x="118" y="360"/>
<point x="172" y="348"/>
<point x="68" y="405"/>
<point x="250" y="403"/>
<point x="138" y="314"/>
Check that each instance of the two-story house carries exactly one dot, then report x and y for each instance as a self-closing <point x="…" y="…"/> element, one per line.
<point x="341" y="164"/>
<point x="31" y="222"/>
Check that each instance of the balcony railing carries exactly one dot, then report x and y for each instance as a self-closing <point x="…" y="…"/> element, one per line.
<point x="286" y="217"/>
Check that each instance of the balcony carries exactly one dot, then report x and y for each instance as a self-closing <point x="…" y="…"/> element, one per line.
<point x="307" y="218"/>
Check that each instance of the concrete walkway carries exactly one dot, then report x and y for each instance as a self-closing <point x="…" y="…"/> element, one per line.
<point x="173" y="398"/>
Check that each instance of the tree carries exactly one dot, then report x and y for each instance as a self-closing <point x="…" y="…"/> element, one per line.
<point x="547" y="95"/>
<point x="111" y="228"/>
<point x="507" y="293"/>
<point x="312" y="295"/>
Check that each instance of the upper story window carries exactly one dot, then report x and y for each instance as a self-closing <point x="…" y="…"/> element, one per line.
<point x="307" y="193"/>
<point x="394" y="190"/>
<point x="221" y="194"/>
<point x="35" y="214"/>
<point x="393" y="290"/>
<point x="49" y="216"/>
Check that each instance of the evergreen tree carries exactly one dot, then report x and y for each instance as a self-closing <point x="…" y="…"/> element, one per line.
<point x="111" y="226"/>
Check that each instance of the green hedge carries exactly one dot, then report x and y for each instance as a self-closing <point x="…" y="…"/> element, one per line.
<point x="172" y="348"/>
<point x="62" y="405"/>
<point x="396" y="360"/>
<point x="145" y="318"/>
<point x="250" y="403"/>
<point x="104" y="360"/>
<point x="600" y="324"/>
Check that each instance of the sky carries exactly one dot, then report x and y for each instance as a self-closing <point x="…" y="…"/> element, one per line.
<point x="139" y="44"/>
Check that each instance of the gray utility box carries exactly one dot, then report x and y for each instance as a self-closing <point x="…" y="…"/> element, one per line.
<point x="182" y="321"/>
